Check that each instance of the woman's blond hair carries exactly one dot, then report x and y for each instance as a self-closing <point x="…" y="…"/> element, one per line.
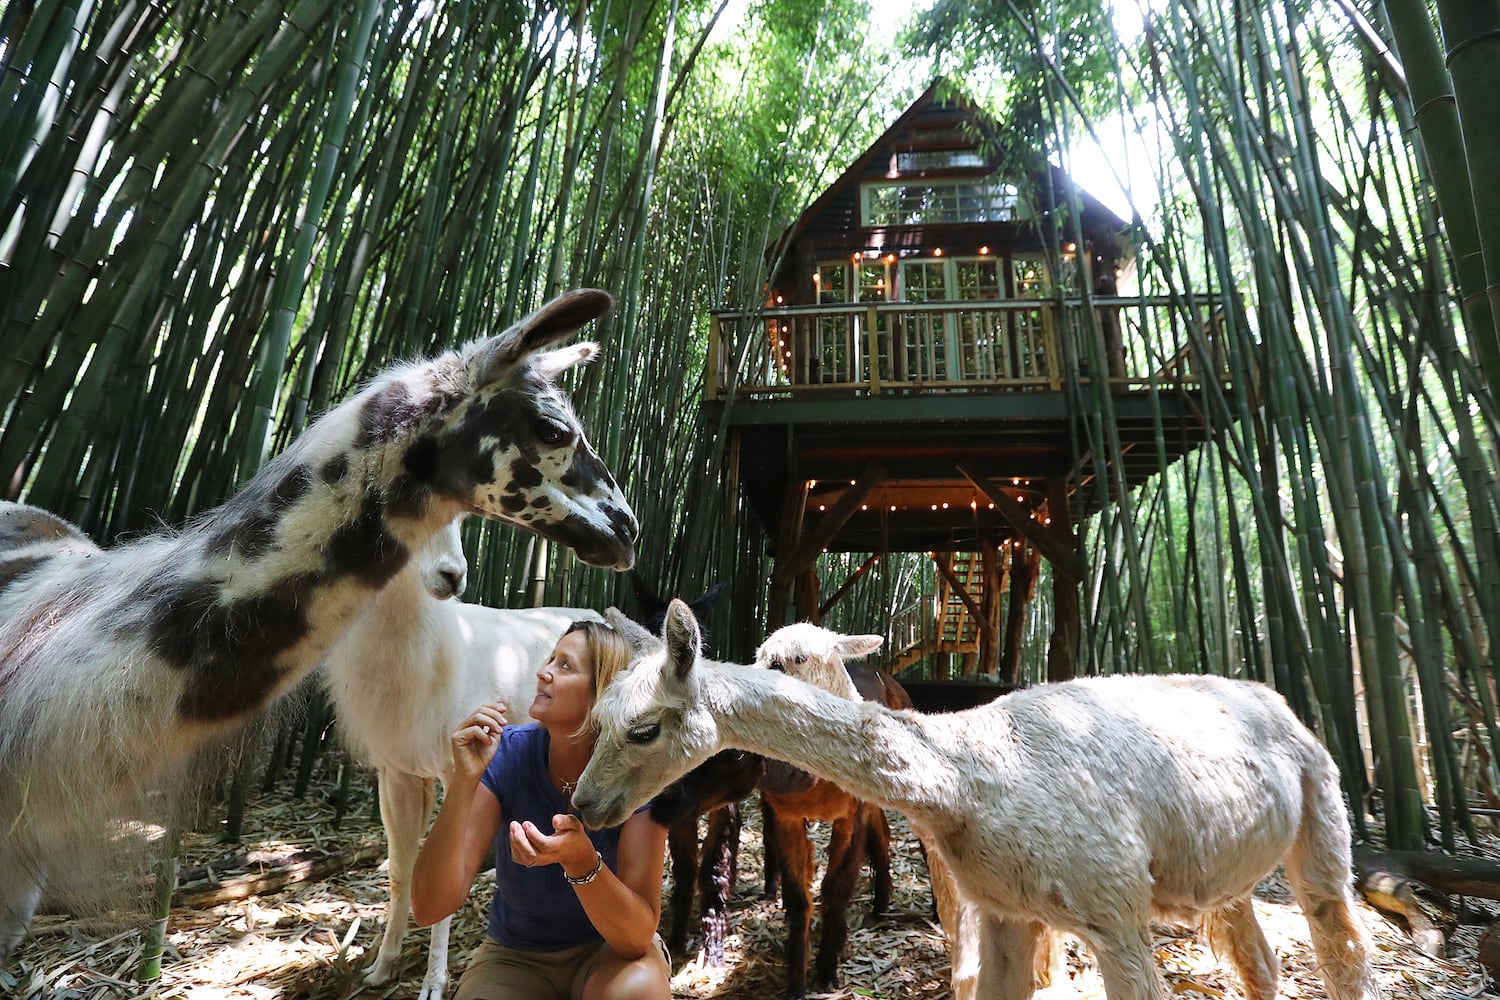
<point x="609" y="654"/>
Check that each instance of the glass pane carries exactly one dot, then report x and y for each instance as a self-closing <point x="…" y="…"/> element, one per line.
<point x="978" y="279"/>
<point x="923" y="281"/>
<point x="872" y="281"/>
<point x="1028" y="276"/>
<point x="833" y="282"/>
<point x="906" y="204"/>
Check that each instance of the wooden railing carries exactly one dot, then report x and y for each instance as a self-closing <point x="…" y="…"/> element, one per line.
<point x="1011" y="344"/>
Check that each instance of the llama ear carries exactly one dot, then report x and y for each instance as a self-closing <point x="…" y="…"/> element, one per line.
<point x="852" y="647"/>
<point x="703" y="605"/>
<point x="634" y="634"/>
<point x="680" y="632"/>
<point x="550" y="364"/>
<point x="549" y="324"/>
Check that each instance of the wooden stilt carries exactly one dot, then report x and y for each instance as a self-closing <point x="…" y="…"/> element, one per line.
<point x="793" y="508"/>
<point x="1025" y="563"/>
<point x="989" y="607"/>
<point x="1062" y="648"/>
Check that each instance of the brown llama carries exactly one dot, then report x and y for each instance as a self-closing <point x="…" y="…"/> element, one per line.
<point x="792" y="798"/>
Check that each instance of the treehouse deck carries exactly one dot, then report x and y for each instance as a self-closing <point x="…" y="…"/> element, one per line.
<point x="972" y="391"/>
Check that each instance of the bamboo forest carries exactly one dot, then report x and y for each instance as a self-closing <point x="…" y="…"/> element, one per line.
<point x="1014" y="357"/>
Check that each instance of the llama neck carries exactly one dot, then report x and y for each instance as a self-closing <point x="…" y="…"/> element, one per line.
<point x="897" y="760"/>
<point x="255" y="591"/>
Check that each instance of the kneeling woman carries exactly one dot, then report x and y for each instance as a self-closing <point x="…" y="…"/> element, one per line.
<point x="575" y="911"/>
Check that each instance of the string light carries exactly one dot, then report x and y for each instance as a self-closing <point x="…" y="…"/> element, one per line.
<point x="984" y="251"/>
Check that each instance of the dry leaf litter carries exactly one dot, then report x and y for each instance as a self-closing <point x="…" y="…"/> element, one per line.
<point x="312" y="939"/>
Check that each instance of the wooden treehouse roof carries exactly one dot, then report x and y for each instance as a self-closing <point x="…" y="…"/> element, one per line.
<point x="942" y="118"/>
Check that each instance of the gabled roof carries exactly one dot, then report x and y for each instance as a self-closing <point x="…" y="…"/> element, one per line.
<point x="939" y="94"/>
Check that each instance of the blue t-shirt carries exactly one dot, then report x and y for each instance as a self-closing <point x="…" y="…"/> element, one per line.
<point x="535" y="909"/>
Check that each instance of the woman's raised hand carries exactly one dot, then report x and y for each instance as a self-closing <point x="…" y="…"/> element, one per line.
<point x="475" y="742"/>
<point x="568" y="845"/>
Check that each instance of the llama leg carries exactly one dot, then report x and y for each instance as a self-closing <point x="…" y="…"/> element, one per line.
<point x="770" y="853"/>
<point x="845" y="853"/>
<point x="721" y="846"/>
<point x="1236" y="935"/>
<point x="435" y="981"/>
<point x="1126" y="963"/>
<point x="796" y="857"/>
<point x="403" y="811"/>
<point x="1000" y="955"/>
<point x="878" y="851"/>
<point x="992" y="958"/>
<point x="682" y="845"/>
<point x="20" y="892"/>
<point x="1319" y="870"/>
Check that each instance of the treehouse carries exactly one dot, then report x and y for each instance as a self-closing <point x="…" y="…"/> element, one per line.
<point x="938" y="337"/>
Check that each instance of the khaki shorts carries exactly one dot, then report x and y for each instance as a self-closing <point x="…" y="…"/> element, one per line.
<point x="500" y="973"/>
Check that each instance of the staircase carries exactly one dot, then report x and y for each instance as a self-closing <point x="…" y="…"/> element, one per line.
<point x="918" y="631"/>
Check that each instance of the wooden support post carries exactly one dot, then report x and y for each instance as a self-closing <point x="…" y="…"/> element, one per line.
<point x="1062" y="648"/>
<point x="793" y="505"/>
<point x="1056" y="541"/>
<point x="803" y="554"/>
<point x="989" y="607"/>
<point x="716" y="354"/>
<point x="1025" y="561"/>
<point x="806" y="596"/>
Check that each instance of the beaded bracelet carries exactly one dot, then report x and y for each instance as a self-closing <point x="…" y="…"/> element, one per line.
<point x="586" y="879"/>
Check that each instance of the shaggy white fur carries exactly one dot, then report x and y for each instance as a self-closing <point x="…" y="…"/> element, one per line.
<point x="408" y="671"/>
<point x="1088" y="806"/>
<point x="115" y="665"/>
<point x="815" y="654"/>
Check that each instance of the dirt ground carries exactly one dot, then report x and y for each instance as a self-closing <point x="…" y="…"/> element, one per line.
<point x="312" y="940"/>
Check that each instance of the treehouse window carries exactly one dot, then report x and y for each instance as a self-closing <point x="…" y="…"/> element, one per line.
<point x="831" y="282"/>
<point x="924" y="280"/>
<point x="874" y="281"/>
<point x="918" y="161"/>
<point x="906" y="203"/>
<point x="978" y="278"/>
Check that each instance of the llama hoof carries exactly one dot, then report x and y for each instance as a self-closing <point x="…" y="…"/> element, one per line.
<point x="382" y="972"/>
<point x="433" y="989"/>
<point x="824" y="982"/>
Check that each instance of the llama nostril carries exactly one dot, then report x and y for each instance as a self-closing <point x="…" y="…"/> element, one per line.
<point x="455" y="581"/>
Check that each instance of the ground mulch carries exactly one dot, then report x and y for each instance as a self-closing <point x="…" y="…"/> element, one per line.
<point x="312" y="938"/>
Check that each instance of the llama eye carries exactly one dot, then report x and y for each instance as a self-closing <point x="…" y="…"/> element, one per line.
<point x="552" y="434"/>
<point x="643" y="733"/>
<point x="799" y="659"/>
<point x="778" y="666"/>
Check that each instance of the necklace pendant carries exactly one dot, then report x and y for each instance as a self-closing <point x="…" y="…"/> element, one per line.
<point x="568" y="786"/>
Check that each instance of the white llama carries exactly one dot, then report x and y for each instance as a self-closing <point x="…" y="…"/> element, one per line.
<point x="410" y="668"/>
<point x="815" y="654"/>
<point x="115" y="664"/>
<point x="1088" y="806"/>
